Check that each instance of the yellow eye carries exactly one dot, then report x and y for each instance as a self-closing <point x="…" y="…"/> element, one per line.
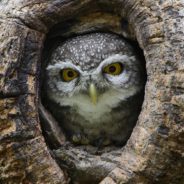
<point x="68" y="74"/>
<point x="113" y="69"/>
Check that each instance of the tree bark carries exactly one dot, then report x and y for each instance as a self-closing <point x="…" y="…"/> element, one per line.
<point x="154" y="152"/>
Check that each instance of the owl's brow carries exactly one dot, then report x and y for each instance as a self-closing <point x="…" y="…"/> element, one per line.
<point x="59" y="66"/>
<point x="109" y="60"/>
<point x="112" y="59"/>
<point x="115" y="58"/>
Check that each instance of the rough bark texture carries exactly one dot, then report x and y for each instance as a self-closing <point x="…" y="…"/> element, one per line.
<point x="154" y="153"/>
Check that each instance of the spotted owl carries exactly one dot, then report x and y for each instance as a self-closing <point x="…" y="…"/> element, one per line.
<point x="94" y="88"/>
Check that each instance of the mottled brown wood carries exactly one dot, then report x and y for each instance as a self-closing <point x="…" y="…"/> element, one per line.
<point x="24" y="156"/>
<point x="153" y="154"/>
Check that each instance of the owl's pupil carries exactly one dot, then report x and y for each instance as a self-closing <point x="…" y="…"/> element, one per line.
<point x="70" y="74"/>
<point x="112" y="69"/>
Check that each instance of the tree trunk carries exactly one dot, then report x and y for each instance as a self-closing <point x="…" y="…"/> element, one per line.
<point x="154" y="152"/>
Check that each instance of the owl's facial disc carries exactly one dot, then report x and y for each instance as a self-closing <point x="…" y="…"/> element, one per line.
<point x="115" y="74"/>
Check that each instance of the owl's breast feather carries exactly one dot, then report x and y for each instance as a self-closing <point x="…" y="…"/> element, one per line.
<point x="93" y="113"/>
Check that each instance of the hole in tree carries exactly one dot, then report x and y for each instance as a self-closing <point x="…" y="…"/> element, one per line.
<point x="121" y="95"/>
<point x="64" y="140"/>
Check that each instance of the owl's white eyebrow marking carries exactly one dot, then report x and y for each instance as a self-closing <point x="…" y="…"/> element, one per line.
<point x="114" y="58"/>
<point x="59" y="66"/>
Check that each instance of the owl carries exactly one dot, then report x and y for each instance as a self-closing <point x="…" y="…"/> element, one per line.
<point x="94" y="88"/>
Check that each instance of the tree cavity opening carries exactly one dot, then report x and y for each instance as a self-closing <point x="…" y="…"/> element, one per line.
<point x="71" y="156"/>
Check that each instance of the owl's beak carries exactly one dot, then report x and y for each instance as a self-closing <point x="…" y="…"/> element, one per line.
<point x="93" y="93"/>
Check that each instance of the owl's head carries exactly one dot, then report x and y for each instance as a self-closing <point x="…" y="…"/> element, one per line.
<point x="94" y="67"/>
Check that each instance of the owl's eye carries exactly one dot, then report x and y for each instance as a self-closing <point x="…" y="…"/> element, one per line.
<point x="113" y="69"/>
<point x="68" y="74"/>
